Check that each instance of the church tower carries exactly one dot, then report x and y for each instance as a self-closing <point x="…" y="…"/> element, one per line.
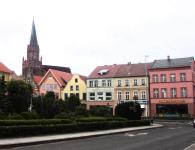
<point x="33" y="64"/>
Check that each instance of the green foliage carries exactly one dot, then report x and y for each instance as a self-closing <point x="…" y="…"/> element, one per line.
<point x="129" y="110"/>
<point x="91" y="119"/>
<point x="34" y="122"/>
<point x="14" y="117"/>
<point x="29" y="130"/>
<point x="82" y="111"/>
<point x="3" y="98"/>
<point x="29" y="115"/>
<point x="72" y="103"/>
<point x="101" y="111"/>
<point x="62" y="115"/>
<point x="19" y="95"/>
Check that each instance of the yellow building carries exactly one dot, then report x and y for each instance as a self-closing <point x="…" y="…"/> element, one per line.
<point x="4" y="71"/>
<point x="77" y="86"/>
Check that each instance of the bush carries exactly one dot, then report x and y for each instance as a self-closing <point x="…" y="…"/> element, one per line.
<point x="82" y="111"/>
<point x="29" y="115"/>
<point x="101" y="111"/>
<point x="29" y="130"/>
<point x="91" y="119"/>
<point x="15" y="117"/>
<point x="34" y="122"/>
<point x="129" y="110"/>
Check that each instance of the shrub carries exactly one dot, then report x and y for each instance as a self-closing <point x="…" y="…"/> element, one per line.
<point x="91" y="119"/>
<point x="101" y="111"/>
<point x="129" y="110"/>
<point x="62" y="115"/>
<point x="29" y="115"/>
<point x="15" y="117"/>
<point x="82" y="111"/>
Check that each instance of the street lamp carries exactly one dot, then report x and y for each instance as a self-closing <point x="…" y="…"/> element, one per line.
<point x="147" y="90"/>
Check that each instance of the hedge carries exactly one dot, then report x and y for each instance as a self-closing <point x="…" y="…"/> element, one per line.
<point x="34" y="122"/>
<point x="32" y="130"/>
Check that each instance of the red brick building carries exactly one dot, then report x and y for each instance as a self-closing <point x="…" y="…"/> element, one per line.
<point x="172" y="87"/>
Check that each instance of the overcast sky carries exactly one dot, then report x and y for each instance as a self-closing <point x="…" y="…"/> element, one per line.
<point x="83" y="34"/>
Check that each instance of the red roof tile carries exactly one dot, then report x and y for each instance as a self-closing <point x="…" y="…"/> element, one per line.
<point x="122" y="70"/>
<point x="4" y="69"/>
<point x="37" y="79"/>
<point x="61" y="77"/>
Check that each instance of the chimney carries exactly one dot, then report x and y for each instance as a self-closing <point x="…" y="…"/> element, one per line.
<point x="168" y="58"/>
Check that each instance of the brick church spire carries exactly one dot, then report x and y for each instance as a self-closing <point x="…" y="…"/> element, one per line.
<point x="33" y="38"/>
<point x="32" y="65"/>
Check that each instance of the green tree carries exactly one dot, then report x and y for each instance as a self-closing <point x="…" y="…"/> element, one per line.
<point x="19" y="95"/>
<point x="101" y="111"/>
<point x="129" y="110"/>
<point x="72" y="103"/>
<point x="3" y="96"/>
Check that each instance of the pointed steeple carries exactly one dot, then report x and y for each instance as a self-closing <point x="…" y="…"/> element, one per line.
<point x="33" y="38"/>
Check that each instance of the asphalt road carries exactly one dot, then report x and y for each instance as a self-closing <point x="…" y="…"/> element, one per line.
<point x="174" y="136"/>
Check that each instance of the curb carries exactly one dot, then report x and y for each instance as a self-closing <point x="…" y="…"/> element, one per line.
<point x="14" y="142"/>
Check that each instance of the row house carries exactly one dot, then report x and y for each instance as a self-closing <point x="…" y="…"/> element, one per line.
<point x="112" y="84"/>
<point x="77" y="86"/>
<point x="172" y="87"/>
<point x="5" y="72"/>
<point x="54" y="81"/>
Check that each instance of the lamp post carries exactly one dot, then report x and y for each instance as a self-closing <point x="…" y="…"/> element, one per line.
<point x="147" y="89"/>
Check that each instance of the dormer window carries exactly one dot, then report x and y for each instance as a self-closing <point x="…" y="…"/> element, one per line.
<point x="103" y="72"/>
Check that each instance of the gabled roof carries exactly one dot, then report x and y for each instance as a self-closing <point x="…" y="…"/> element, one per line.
<point x="172" y="63"/>
<point x="4" y="69"/>
<point x="61" y="77"/>
<point x="59" y="68"/>
<point x="37" y="79"/>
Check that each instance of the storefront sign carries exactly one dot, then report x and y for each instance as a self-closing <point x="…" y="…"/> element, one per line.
<point x="171" y="101"/>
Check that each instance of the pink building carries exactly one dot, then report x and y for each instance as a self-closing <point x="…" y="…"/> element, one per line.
<point x="172" y="87"/>
<point x="54" y="81"/>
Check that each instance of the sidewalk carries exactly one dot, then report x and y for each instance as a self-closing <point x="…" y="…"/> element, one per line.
<point x="11" y="142"/>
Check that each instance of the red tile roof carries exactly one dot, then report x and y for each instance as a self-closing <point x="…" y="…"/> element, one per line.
<point x="61" y="77"/>
<point x="112" y="69"/>
<point x="37" y="79"/>
<point x="122" y="70"/>
<point x="4" y="69"/>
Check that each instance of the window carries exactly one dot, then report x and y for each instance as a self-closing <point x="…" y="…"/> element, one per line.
<point x="143" y="95"/>
<point x="173" y="92"/>
<point x="71" y="88"/>
<point x="92" y="96"/>
<point x="103" y="83"/>
<point x="126" y="82"/>
<point x="143" y="81"/>
<point x="119" y="83"/>
<point x="65" y="96"/>
<point x="182" y="76"/>
<point x="49" y="87"/>
<point x="127" y="95"/>
<point x="135" y="82"/>
<point x="109" y="83"/>
<point x="96" y="83"/>
<point x="135" y="95"/>
<point x="76" y="80"/>
<point x="77" y="95"/>
<point x="156" y="93"/>
<point x="155" y="78"/>
<point x="183" y="92"/>
<point x="163" y="77"/>
<point x="172" y="78"/>
<point x="108" y="96"/>
<point x="163" y="93"/>
<point x="100" y="95"/>
<point x="84" y="96"/>
<point x="119" y="95"/>
<point x="90" y="83"/>
<point x="77" y="87"/>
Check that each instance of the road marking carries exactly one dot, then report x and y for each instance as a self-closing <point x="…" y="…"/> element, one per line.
<point x="131" y="135"/>
<point x="172" y="128"/>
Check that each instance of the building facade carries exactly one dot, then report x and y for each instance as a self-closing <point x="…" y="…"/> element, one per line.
<point x="114" y="84"/>
<point x="5" y="72"/>
<point x="77" y="86"/>
<point x="54" y="81"/>
<point x="172" y="87"/>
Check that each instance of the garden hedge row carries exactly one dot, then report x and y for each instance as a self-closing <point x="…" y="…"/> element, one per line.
<point x="32" y="130"/>
<point x="34" y="122"/>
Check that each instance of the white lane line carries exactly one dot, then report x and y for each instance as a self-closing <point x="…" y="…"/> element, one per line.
<point x="131" y="135"/>
<point x="172" y="128"/>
